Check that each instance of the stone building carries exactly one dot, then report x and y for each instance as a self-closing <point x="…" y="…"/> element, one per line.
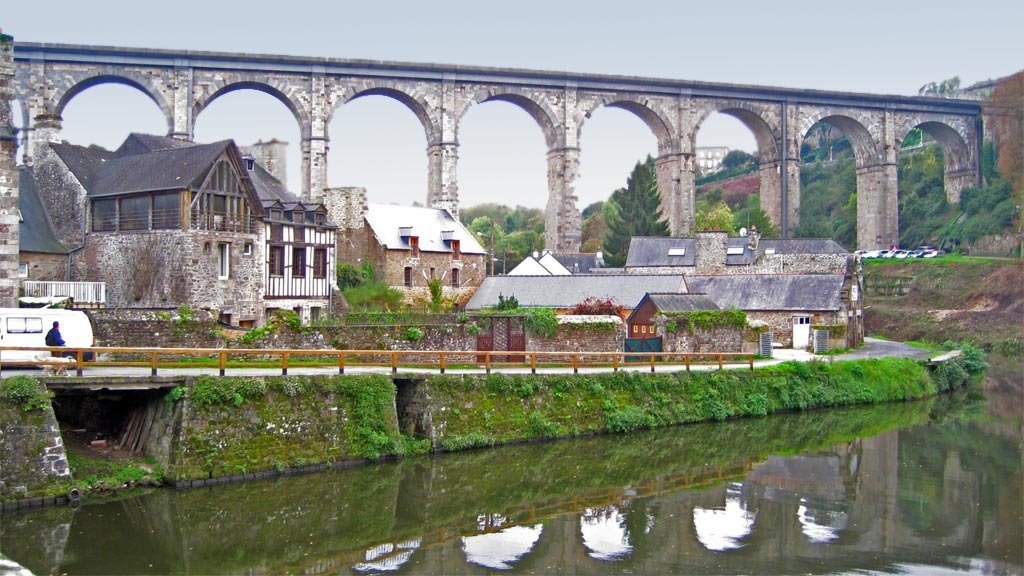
<point x="42" y="256"/>
<point x="9" y="220"/>
<point x="166" y="222"/>
<point x="407" y="246"/>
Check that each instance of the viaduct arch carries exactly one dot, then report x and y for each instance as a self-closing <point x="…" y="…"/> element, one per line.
<point x="183" y="83"/>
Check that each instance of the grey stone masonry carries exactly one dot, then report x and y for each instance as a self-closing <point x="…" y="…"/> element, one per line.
<point x="184" y="83"/>
<point x="9" y="221"/>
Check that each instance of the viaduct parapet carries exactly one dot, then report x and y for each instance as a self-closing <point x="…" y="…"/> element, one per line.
<point x="184" y="83"/>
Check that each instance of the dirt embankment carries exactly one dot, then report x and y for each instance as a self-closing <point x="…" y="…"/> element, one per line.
<point x="975" y="300"/>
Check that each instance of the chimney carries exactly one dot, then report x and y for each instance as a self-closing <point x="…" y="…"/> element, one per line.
<point x="710" y="251"/>
<point x="272" y="156"/>
<point x="752" y="237"/>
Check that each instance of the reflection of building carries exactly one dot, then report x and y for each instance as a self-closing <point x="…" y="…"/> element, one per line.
<point x="709" y="159"/>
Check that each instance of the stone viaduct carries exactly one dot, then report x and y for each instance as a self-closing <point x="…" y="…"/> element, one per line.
<point x="184" y="83"/>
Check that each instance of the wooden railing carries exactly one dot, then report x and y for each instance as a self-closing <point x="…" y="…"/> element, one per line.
<point x="157" y="358"/>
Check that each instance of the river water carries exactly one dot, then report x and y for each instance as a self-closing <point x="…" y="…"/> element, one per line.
<point x="931" y="487"/>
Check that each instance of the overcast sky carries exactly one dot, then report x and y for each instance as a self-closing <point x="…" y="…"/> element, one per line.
<point x="886" y="47"/>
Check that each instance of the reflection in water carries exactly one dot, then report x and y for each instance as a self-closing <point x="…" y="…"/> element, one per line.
<point x="820" y="525"/>
<point x="604" y="533"/>
<point x="926" y="487"/>
<point x="387" y="557"/>
<point x="722" y="529"/>
<point x="501" y="550"/>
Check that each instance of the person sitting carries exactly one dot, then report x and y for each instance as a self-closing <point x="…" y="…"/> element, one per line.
<point x="53" y="337"/>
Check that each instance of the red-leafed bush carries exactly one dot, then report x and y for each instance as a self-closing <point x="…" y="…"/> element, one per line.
<point x="593" y="305"/>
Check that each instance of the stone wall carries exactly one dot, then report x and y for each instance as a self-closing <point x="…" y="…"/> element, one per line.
<point x="138" y="328"/>
<point x="603" y="334"/>
<point x="281" y="423"/>
<point x="722" y="339"/>
<point x="45" y="267"/>
<point x="1006" y="245"/>
<point x="170" y="268"/>
<point x="33" y="462"/>
<point x="781" y="323"/>
<point x="9" y="221"/>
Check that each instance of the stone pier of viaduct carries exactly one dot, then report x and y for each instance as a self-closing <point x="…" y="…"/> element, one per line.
<point x="184" y="83"/>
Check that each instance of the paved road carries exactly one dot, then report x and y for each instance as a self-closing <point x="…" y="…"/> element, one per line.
<point x="873" y="348"/>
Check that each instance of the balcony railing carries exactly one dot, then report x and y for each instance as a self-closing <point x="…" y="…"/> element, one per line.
<point x="223" y="222"/>
<point x="82" y="293"/>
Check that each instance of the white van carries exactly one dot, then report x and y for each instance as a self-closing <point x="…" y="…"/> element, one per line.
<point x="28" y="327"/>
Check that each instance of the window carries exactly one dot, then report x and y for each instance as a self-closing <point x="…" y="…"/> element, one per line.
<point x="165" y="211"/>
<point x="22" y="269"/>
<point x="276" y="263"/>
<point x="456" y="249"/>
<point x="408" y="276"/>
<point x="299" y="262"/>
<point x="24" y="325"/>
<point x="321" y="218"/>
<point x="247" y="249"/>
<point x="455" y="277"/>
<point x="276" y="214"/>
<point x="134" y="213"/>
<point x="414" y="246"/>
<point x="320" y="263"/>
<point x="277" y="232"/>
<point x="223" y="260"/>
<point x="314" y="313"/>
<point x="432" y="273"/>
<point x="104" y="215"/>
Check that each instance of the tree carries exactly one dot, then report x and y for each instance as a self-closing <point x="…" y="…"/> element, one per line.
<point x="636" y="211"/>
<point x="737" y="158"/>
<point x="717" y="218"/>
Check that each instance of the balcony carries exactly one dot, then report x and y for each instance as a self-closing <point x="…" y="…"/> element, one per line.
<point x="83" y="294"/>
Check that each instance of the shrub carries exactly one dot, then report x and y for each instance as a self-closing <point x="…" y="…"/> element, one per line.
<point x="592" y="305"/>
<point x="537" y="426"/>
<point x="412" y="334"/>
<point x="510" y="303"/>
<point x="25" y="390"/>
<point x="435" y="295"/>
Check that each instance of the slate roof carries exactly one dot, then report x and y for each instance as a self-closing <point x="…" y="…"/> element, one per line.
<point x="673" y="302"/>
<point x="566" y="291"/>
<point x="168" y="169"/>
<point x="426" y="223"/>
<point x="269" y="188"/>
<point x="134" y="168"/>
<point x="801" y="246"/>
<point x="653" y="251"/>
<point x="35" y="234"/>
<point x="765" y="292"/>
<point x="83" y="162"/>
<point x="577" y="262"/>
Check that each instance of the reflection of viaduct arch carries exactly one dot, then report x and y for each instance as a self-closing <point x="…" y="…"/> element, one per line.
<point x="183" y="83"/>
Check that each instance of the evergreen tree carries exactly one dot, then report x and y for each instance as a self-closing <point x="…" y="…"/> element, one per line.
<point x="635" y="211"/>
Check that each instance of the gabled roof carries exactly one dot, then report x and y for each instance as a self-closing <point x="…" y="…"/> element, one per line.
<point x="168" y="169"/>
<point x="650" y="251"/>
<point x="795" y="292"/>
<point x="578" y="262"/>
<point x="35" y="234"/>
<point x="385" y="220"/>
<point x="567" y="291"/>
<point x="531" y="266"/>
<point x="83" y="162"/>
<point x="137" y="143"/>
<point x="673" y="302"/>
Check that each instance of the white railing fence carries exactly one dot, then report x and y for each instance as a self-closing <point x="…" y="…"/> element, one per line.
<point x="88" y="293"/>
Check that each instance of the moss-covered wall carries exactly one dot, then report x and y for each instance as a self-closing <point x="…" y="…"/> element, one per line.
<point x="469" y="411"/>
<point x="238" y="426"/>
<point x="33" y="462"/>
